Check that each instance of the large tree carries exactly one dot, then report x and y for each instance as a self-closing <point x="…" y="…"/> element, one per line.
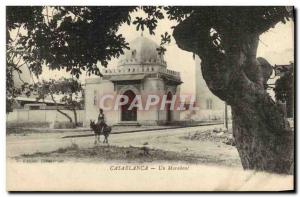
<point x="225" y="38"/>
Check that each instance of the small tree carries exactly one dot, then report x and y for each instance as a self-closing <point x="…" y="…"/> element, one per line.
<point x="68" y="88"/>
<point x="284" y="90"/>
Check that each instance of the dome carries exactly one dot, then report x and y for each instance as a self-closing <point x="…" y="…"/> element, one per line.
<point x="142" y="51"/>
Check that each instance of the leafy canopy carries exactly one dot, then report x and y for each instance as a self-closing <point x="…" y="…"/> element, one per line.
<point x="70" y="90"/>
<point x="77" y="38"/>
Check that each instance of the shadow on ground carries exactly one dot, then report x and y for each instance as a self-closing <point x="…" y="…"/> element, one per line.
<point x="115" y="153"/>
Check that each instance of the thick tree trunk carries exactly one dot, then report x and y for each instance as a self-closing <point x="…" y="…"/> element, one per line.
<point x="259" y="146"/>
<point x="65" y="114"/>
<point x="75" y="117"/>
<point x="237" y="77"/>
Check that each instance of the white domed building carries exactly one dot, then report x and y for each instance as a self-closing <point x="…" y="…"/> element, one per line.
<point x="141" y="72"/>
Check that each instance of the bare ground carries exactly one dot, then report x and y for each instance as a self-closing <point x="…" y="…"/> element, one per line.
<point x="115" y="153"/>
<point x="162" y="148"/>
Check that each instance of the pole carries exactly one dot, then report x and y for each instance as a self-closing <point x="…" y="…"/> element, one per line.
<point x="226" y="117"/>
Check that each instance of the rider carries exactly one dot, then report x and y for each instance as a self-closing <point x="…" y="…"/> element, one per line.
<point x="101" y="120"/>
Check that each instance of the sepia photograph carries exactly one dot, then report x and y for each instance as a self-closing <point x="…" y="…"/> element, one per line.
<point x="150" y="98"/>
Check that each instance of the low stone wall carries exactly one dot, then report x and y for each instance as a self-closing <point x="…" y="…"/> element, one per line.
<point x="51" y="116"/>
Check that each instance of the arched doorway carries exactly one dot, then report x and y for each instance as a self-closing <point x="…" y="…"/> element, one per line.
<point x="168" y="107"/>
<point x="126" y="114"/>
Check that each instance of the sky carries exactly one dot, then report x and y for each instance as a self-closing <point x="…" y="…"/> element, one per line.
<point x="276" y="45"/>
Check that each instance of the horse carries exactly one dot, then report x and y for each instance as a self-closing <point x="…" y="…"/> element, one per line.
<point x="98" y="131"/>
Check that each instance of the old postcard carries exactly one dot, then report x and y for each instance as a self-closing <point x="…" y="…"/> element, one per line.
<point x="150" y="98"/>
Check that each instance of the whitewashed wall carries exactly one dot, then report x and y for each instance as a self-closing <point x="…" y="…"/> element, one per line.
<point x="21" y="115"/>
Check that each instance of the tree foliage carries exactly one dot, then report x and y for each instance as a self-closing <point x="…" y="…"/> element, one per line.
<point x="284" y="86"/>
<point x="70" y="91"/>
<point x="71" y="38"/>
<point x="75" y="38"/>
<point x="284" y="90"/>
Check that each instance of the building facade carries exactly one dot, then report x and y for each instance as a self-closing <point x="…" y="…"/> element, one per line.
<point x="141" y="72"/>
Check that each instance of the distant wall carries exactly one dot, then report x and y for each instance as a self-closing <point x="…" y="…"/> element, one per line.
<point x="25" y="115"/>
<point x="205" y="115"/>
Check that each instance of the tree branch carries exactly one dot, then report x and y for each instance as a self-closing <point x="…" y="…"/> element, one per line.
<point x="63" y="113"/>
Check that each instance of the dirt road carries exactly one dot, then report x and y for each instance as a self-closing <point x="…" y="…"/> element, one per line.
<point x="169" y="140"/>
